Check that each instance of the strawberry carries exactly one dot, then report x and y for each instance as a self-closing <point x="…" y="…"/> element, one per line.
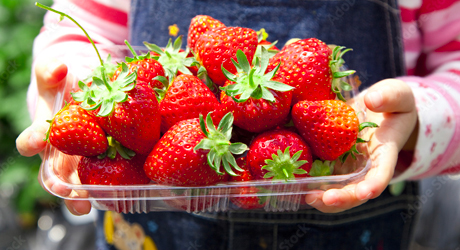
<point x="258" y="101"/>
<point x="187" y="97"/>
<point x="147" y="68"/>
<point x="199" y="25"/>
<point x="330" y="127"/>
<point x="174" y="60"/>
<point x="312" y="68"/>
<point x="217" y="47"/>
<point x="119" y="167"/>
<point x="244" y="199"/>
<point x="74" y="131"/>
<point x="126" y="110"/>
<point x="190" y="153"/>
<point x="269" y="155"/>
<point x="117" y="171"/>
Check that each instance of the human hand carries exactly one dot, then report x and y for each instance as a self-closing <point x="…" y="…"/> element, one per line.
<point x="50" y="76"/>
<point x="390" y="103"/>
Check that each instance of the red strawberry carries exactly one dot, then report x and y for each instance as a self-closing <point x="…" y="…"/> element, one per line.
<point x="147" y="69"/>
<point x="270" y="153"/>
<point x="199" y="25"/>
<point x="312" y="68"/>
<point x="74" y="131"/>
<point x="330" y="127"/>
<point x="126" y="110"/>
<point x="258" y="101"/>
<point x="217" y="47"/>
<point x="190" y="153"/>
<point x="245" y="200"/>
<point x="117" y="171"/>
<point x="187" y="97"/>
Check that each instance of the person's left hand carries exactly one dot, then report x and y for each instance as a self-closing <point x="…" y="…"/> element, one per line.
<point x="390" y="103"/>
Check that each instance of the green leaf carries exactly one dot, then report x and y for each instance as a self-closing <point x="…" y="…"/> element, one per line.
<point x="267" y="95"/>
<point x="238" y="148"/>
<point x="279" y="86"/>
<point x="177" y="44"/>
<point x="341" y="74"/>
<point x="210" y="123"/>
<point x="320" y="168"/>
<point x="227" y="167"/>
<point x="226" y="123"/>
<point x="203" y="126"/>
<point x="264" y="60"/>
<point x="154" y="48"/>
<point x="243" y="60"/>
<point x="256" y="94"/>
<point x="367" y="125"/>
<point x="204" y="144"/>
<point x="107" y="107"/>
<point x="228" y="75"/>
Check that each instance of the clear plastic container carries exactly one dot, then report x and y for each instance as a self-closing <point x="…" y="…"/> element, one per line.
<point x="58" y="175"/>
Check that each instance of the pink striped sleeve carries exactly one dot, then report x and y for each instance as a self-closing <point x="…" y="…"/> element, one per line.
<point x="431" y="32"/>
<point x="105" y="21"/>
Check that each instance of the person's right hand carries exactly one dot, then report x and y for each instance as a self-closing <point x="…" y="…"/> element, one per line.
<point x="50" y="75"/>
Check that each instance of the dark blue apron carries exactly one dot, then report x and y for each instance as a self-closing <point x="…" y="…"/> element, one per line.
<point x="372" y="29"/>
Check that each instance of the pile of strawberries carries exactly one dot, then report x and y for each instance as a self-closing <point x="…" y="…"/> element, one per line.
<point x="231" y="107"/>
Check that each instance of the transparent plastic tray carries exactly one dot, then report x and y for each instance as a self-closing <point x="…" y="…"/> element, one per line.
<point x="59" y="177"/>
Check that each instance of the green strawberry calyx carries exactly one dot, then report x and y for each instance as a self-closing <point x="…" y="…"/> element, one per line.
<point x="109" y="69"/>
<point x="322" y="168"/>
<point x="353" y="151"/>
<point x="335" y="64"/>
<point x="252" y="82"/>
<point x="114" y="148"/>
<point x="217" y="141"/>
<point x="283" y="167"/>
<point x="172" y="58"/>
<point x="104" y="94"/>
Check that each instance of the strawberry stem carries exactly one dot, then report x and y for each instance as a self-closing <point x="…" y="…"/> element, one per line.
<point x="131" y="49"/>
<point x="73" y="20"/>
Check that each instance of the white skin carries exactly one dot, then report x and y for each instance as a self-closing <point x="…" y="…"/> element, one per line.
<point x="390" y="104"/>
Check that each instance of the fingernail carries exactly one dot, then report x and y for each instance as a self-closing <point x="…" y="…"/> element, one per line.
<point x="312" y="202"/>
<point x="375" y="98"/>
<point x="335" y="197"/>
<point x="368" y="196"/>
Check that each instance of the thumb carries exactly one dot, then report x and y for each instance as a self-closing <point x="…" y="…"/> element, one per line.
<point x="390" y="95"/>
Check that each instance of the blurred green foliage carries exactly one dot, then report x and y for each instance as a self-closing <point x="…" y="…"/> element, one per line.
<point x="20" y="22"/>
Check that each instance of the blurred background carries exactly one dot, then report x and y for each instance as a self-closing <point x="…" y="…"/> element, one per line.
<point x="30" y="218"/>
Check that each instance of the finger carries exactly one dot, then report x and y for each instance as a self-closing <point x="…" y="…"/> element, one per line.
<point x="78" y="207"/>
<point x="30" y="142"/>
<point x="49" y="73"/>
<point x="390" y="95"/>
<point x="318" y="201"/>
<point x="384" y="157"/>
